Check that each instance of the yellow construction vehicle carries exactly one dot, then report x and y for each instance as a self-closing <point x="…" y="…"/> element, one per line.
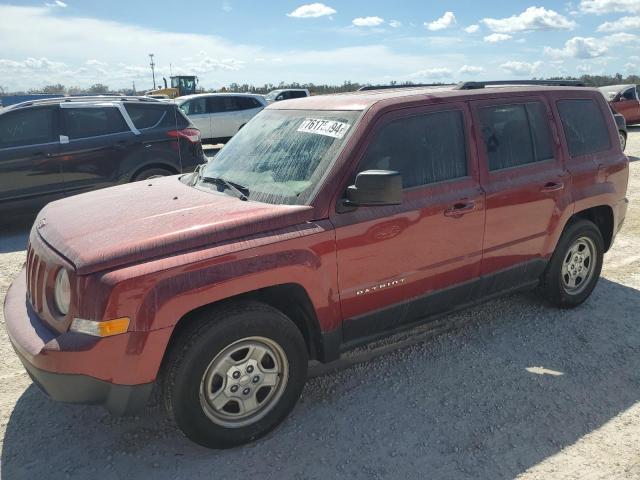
<point x="180" y="85"/>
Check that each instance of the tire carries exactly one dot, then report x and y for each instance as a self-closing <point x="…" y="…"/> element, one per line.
<point x="622" y="136"/>
<point x="583" y="238"/>
<point x="152" y="173"/>
<point x="198" y="381"/>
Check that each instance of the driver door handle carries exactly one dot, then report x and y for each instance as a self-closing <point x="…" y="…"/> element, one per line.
<point x="459" y="209"/>
<point x="552" y="187"/>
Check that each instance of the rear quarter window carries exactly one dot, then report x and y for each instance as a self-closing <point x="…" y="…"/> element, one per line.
<point x="584" y="127"/>
<point x="146" y="116"/>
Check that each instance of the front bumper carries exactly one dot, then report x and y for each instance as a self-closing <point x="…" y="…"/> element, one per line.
<point x="117" y="372"/>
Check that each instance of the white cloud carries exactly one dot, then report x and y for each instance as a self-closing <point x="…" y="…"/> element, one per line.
<point x="601" y="7"/>
<point x="521" y="68"/>
<point x="367" y="21"/>
<point x="621" y="39"/>
<point x="447" y="20"/>
<point x="620" y="25"/>
<point x="312" y="10"/>
<point x="28" y="62"/>
<point x="226" y="6"/>
<point x="631" y="67"/>
<point x="395" y="23"/>
<point x="470" y="69"/>
<point x="497" y="37"/>
<point x="472" y="28"/>
<point x="57" y="3"/>
<point x="579" y="47"/>
<point x="533" y="18"/>
<point x="584" y="68"/>
<point x="436" y="73"/>
<point x="95" y="63"/>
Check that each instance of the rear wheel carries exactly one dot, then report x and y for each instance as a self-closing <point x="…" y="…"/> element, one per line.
<point x="574" y="268"/>
<point x="235" y="374"/>
<point x="623" y="139"/>
<point x="152" y="173"/>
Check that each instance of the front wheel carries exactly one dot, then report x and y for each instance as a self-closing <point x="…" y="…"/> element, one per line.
<point x="235" y="374"/>
<point x="574" y="268"/>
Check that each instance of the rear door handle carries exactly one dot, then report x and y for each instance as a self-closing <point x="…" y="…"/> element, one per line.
<point x="552" y="187"/>
<point x="460" y="209"/>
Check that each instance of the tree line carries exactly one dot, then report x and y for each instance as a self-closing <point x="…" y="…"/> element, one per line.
<point x="315" y="89"/>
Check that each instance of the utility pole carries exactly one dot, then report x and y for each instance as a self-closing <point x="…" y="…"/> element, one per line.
<point x="153" y="71"/>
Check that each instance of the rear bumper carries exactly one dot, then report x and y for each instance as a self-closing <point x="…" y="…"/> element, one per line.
<point x="619" y="214"/>
<point x="117" y="372"/>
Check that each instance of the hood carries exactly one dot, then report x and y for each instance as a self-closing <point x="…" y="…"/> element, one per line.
<point x="130" y="223"/>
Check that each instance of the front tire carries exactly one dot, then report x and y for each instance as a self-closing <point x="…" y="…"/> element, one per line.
<point x="234" y="374"/>
<point x="574" y="268"/>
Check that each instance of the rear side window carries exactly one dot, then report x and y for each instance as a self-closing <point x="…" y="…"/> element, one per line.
<point x="222" y="104"/>
<point x="247" y="103"/>
<point x="584" y="127"/>
<point x="146" y="116"/>
<point x="297" y="94"/>
<point x="515" y="134"/>
<point x="425" y="149"/>
<point x="629" y="94"/>
<point x="31" y="126"/>
<point x="93" y="122"/>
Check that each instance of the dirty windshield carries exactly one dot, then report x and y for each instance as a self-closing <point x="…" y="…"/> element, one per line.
<point x="280" y="155"/>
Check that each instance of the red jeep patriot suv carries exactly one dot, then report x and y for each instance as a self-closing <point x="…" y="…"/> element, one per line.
<point x="325" y="222"/>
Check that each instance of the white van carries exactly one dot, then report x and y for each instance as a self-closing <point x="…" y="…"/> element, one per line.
<point x="219" y="116"/>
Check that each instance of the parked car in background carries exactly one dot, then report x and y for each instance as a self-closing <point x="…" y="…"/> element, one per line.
<point x="322" y="224"/>
<point x="286" y="94"/>
<point x="219" y="116"/>
<point x="58" y="147"/>
<point x="622" y="128"/>
<point x="625" y="100"/>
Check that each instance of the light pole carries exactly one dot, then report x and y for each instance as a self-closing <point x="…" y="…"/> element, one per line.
<point x="153" y="71"/>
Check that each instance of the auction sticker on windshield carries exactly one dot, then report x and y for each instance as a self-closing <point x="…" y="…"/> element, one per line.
<point x="329" y="128"/>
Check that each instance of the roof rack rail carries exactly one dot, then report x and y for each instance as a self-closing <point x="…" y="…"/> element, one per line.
<point x="413" y="85"/>
<point x="550" y="83"/>
<point x="88" y="98"/>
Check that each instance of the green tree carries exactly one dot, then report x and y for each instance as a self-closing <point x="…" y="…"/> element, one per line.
<point x="98" y="89"/>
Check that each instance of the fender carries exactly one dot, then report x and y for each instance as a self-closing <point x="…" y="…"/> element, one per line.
<point x="158" y="293"/>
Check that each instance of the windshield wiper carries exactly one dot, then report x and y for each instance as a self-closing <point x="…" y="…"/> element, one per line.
<point x="241" y="191"/>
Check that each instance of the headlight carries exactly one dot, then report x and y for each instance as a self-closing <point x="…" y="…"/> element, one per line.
<point x="62" y="292"/>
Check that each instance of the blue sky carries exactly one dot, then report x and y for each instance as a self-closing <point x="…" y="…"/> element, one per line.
<point x="80" y="42"/>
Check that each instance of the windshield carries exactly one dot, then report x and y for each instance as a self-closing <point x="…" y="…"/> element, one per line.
<point x="272" y="95"/>
<point x="281" y="155"/>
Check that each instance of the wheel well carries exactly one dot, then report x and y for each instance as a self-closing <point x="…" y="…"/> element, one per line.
<point x="150" y="166"/>
<point x="290" y="298"/>
<point x="602" y="216"/>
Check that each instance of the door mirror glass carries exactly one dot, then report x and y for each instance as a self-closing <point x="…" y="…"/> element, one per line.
<point x="376" y="187"/>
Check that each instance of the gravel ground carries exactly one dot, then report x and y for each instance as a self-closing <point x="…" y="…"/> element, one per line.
<point x="509" y="389"/>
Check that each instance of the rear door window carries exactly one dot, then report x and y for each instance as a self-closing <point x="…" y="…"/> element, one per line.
<point x="31" y="126"/>
<point x="584" y="127"/>
<point x="515" y="134"/>
<point x="93" y="122"/>
<point x="146" y="116"/>
<point x="222" y="104"/>
<point x="427" y="148"/>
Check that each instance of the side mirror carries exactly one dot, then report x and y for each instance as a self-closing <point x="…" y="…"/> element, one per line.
<point x="374" y="188"/>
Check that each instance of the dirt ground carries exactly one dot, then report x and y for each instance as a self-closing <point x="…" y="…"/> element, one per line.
<point x="512" y="388"/>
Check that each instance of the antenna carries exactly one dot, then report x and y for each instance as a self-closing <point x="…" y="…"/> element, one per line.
<point x="153" y="71"/>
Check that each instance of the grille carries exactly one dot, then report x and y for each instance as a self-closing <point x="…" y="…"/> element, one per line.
<point x="36" y="270"/>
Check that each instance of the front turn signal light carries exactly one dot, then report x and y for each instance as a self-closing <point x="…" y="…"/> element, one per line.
<point x="107" y="328"/>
